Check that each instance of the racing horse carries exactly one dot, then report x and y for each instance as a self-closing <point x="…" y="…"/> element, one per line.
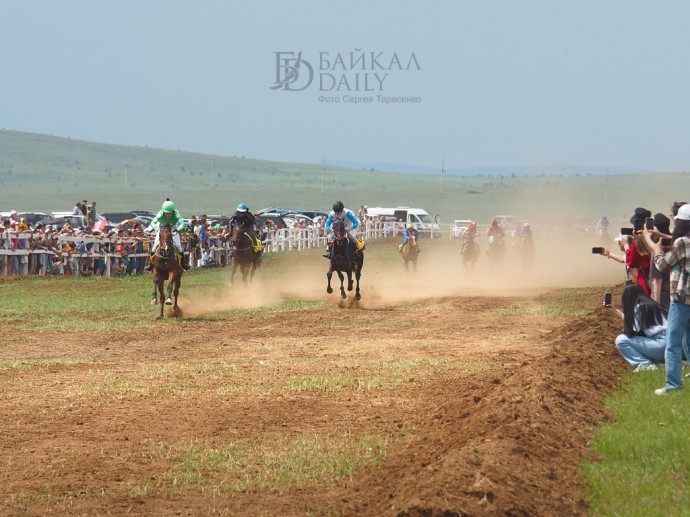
<point x="409" y="253"/>
<point x="469" y="251"/>
<point x="166" y="265"/>
<point x="244" y="255"/>
<point x="344" y="259"/>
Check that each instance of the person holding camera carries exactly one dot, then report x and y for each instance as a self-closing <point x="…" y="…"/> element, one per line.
<point x="677" y="261"/>
<point x="643" y="341"/>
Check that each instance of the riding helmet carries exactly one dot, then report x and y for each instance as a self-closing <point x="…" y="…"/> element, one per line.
<point x="338" y="206"/>
<point x="168" y="206"/>
<point x="242" y="207"/>
<point x="410" y="226"/>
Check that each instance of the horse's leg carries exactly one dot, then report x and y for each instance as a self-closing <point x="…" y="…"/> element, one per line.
<point x="234" y="268"/>
<point x="171" y="285"/>
<point x="161" y="297"/>
<point x="244" y="268"/>
<point x="349" y="279"/>
<point x="342" y="286"/>
<point x="154" y="300"/>
<point x="358" y="274"/>
<point x="176" y="292"/>
<point x="329" y="289"/>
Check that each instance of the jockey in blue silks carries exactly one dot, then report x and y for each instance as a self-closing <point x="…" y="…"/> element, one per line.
<point x="350" y="221"/>
<point x="410" y="230"/>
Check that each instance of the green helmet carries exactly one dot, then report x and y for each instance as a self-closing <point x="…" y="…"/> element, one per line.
<point x="168" y="206"/>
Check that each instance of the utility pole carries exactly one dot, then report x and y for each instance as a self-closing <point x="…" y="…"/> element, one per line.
<point x="443" y="165"/>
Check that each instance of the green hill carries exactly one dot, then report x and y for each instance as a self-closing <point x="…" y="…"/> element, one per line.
<point x="46" y="173"/>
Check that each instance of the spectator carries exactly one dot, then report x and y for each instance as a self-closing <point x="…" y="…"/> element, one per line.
<point x="643" y="341"/>
<point x="677" y="261"/>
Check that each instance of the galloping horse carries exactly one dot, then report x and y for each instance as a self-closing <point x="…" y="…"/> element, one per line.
<point x="344" y="260"/>
<point x="410" y="251"/>
<point x="243" y="254"/>
<point x="166" y="265"/>
<point x="496" y="250"/>
<point x="469" y="251"/>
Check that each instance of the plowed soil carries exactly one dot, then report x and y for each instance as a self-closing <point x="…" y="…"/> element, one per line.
<point x="486" y="393"/>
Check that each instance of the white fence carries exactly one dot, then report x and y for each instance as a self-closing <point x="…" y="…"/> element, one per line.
<point x="28" y="253"/>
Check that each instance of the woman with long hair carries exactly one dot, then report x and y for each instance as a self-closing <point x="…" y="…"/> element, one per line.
<point x="643" y="340"/>
<point x="676" y="260"/>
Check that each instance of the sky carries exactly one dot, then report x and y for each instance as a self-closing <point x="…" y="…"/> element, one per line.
<point x="465" y="83"/>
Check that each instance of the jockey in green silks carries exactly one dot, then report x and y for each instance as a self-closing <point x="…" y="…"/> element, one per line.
<point x="169" y="214"/>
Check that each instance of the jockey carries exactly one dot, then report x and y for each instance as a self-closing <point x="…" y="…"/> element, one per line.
<point x="246" y="220"/>
<point x="349" y="220"/>
<point x="472" y="232"/>
<point x="410" y="230"/>
<point x="168" y="214"/>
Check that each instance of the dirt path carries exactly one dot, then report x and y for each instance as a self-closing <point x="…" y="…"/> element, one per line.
<point x="486" y="405"/>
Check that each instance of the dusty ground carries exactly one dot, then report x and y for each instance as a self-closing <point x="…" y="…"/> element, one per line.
<point x="486" y="390"/>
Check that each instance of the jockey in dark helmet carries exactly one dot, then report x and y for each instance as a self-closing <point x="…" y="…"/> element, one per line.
<point x="244" y="218"/>
<point x="350" y="221"/>
<point x="169" y="214"/>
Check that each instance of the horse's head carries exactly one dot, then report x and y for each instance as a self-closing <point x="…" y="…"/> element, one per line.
<point x="236" y="234"/>
<point x="165" y="236"/>
<point x="339" y="230"/>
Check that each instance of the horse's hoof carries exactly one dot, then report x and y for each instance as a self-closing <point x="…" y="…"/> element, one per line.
<point x="358" y="297"/>
<point x="168" y="302"/>
<point x="329" y="290"/>
<point x="154" y="302"/>
<point x="343" y="295"/>
<point x="160" y="317"/>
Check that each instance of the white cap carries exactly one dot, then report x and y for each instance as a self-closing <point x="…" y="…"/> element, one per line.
<point x="684" y="213"/>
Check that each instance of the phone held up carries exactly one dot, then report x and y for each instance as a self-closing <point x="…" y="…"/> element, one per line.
<point x="649" y="223"/>
<point x="626" y="231"/>
<point x="607" y="299"/>
<point x="597" y="250"/>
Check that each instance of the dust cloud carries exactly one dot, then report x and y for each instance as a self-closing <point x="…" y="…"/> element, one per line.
<point x="559" y="261"/>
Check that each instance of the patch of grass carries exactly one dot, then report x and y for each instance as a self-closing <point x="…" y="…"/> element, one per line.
<point x="643" y="458"/>
<point x="25" y="364"/>
<point x="269" y="464"/>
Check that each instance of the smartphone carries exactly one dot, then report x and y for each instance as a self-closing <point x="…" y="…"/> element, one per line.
<point x="639" y="224"/>
<point x="597" y="250"/>
<point x="649" y="223"/>
<point x="626" y="231"/>
<point x="607" y="299"/>
<point x="665" y="242"/>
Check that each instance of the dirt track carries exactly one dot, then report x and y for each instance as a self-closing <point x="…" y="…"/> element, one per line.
<point x="486" y="402"/>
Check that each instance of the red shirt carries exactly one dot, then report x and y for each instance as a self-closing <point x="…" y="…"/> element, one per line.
<point x="640" y="262"/>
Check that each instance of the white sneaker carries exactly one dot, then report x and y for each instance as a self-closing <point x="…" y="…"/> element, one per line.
<point x="646" y="367"/>
<point x="664" y="391"/>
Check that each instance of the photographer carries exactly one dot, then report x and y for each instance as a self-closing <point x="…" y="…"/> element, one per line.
<point x="643" y="341"/>
<point x="677" y="261"/>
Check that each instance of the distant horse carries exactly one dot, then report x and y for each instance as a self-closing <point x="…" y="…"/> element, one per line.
<point x="496" y="250"/>
<point x="410" y="251"/>
<point x="344" y="259"/>
<point x="166" y="265"/>
<point x="243" y="254"/>
<point x="469" y="251"/>
<point x="526" y="249"/>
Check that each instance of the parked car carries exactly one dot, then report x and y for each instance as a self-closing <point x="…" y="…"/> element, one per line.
<point x="277" y="219"/>
<point x="458" y="228"/>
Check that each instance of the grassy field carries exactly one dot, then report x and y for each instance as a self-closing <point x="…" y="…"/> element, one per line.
<point x="46" y="173"/>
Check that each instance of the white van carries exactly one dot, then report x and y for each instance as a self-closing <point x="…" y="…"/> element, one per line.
<point x="418" y="217"/>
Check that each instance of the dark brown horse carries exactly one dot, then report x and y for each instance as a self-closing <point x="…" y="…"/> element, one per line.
<point x="166" y="265"/>
<point x="344" y="259"/>
<point x="409" y="252"/>
<point x="244" y="255"/>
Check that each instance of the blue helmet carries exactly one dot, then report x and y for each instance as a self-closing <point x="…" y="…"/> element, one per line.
<point x="242" y="207"/>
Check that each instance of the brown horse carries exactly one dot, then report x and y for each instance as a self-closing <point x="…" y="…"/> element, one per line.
<point x="243" y="254"/>
<point x="410" y="251"/>
<point x="166" y="265"/>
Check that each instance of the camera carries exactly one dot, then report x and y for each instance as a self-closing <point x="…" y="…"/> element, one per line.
<point x="597" y="250"/>
<point x="626" y="231"/>
<point x="639" y="224"/>
<point x="607" y="299"/>
<point x="649" y="223"/>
